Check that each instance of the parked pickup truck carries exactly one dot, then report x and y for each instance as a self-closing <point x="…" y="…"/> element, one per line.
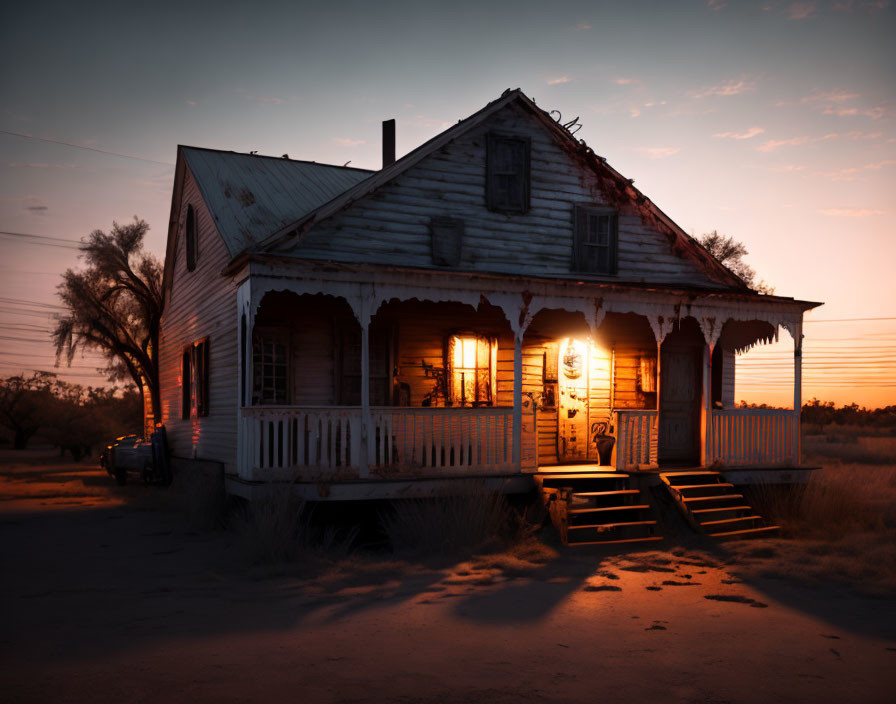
<point x="129" y="453"/>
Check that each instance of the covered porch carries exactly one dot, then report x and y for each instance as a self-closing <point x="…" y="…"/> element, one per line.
<point x="347" y="382"/>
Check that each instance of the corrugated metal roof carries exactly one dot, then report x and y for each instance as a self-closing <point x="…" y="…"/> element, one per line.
<point x="252" y="196"/>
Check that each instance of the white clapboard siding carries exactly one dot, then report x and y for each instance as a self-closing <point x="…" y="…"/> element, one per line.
<point x="200" y="303"/>
<point x="391" y="225"/>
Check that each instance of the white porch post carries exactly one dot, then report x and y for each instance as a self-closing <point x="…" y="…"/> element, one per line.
<point x="367" y="441"/>
<point x="518" y="401"/>
<point x="797" y="393"/>
<point x="706" y="409"/>
<point x="245" y="319"/>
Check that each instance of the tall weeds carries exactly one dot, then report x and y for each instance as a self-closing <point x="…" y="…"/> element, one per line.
<point x="279" y="528"/>
<point x="467" y="518"/>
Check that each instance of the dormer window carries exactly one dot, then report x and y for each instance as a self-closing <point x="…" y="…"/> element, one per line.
<point x="507" y="174"/>
<point x="190" y="237"/>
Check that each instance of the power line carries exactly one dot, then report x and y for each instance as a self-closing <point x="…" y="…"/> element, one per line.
<point x="26" y="302"/>
<point x="81" y="146"/>
<point x="40" y="237"/>
<point x="844" y="320"/>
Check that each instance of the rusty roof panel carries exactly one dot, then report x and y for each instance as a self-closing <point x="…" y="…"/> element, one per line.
<point x="251" y="197"/>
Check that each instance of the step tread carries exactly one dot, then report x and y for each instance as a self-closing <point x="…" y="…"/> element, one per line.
<point x="729" y="520"/>
<point x="612" y="525"/>
<point x="720" y="497"/>
<point x="633" y="507"/>
<point x="722" y="508"/>
<point x="617" y="492"/>
<point x="746" y="531"/>
<point x="617" y="542"/>
<point x="698" y="472"/>
<point x="721" y="485"/>
<point x="581" y="475"/>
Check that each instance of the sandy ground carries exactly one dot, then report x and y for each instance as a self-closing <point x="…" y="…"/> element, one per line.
<point x="108" y="595"/>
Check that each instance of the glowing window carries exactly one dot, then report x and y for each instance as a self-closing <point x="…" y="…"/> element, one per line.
<point x="472" y="363"/>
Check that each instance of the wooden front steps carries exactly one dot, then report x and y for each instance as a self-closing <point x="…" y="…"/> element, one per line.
<point x="711" y="506"/>
<point x="597" y="508"/>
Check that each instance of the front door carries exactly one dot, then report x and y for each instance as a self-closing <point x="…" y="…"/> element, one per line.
<point x="680" y="392"/>
<point x="572" y="408"/>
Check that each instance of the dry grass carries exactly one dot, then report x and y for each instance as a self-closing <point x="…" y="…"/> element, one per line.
<point x="843" y="523"/>
<point x="847" y="446"/>
<point x="279" y="528"/>
<point x="467" y="519"/>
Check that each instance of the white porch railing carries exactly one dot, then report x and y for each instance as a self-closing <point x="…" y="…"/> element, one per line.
<point x="289" y="438"/>
<point x="755" y="437"/>
<point x="636" y="439"/>
<point x="319" y="442"/>
<point x="475" y="440"/>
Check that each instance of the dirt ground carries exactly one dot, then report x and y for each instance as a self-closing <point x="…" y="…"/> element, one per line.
<point x="109" y="595"/>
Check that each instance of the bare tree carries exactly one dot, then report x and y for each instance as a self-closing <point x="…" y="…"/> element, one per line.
<point x="730" y="253"/>
<point x="115" y="306"/>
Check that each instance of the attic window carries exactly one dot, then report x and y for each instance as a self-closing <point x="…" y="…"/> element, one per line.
<point x="596" y="240"/>
<point x="507" y="174"/>
<point x="190" y="236"/>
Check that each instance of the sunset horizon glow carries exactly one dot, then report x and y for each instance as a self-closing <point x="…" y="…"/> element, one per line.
<point x="770" y="122"/>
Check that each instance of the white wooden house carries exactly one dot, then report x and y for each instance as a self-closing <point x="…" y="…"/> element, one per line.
<point x="498" y="301"/>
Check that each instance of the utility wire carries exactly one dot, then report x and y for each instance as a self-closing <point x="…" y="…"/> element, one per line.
<point x="81" y="146"/>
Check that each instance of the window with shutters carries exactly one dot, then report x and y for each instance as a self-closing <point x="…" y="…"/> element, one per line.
<point x="596" y="240"/>
<point x="190" y="238"/>
<point x="507" y="174"/>
<point x="472" y="367"/>
<point x="195" y="380"/>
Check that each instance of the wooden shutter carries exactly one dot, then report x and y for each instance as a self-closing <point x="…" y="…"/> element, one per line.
<point x="186" y="385"/>
<point x="202" y="378"/>
<point x="447" y="238"/>
<point x="190" y="237"/>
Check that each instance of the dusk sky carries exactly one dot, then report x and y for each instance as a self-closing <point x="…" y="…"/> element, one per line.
<point x="772" y="122"/>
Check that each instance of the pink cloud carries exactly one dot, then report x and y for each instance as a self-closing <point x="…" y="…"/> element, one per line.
<point x="625" y="81"/>
<point x="561" y="79"/>
<point x="880" y="164"/>
<point x="581" y="26"/>
<point x="801" y="10"/>
<point x="829" y="96"/>
<point x="773" y="144"/>
<point x="716" y="5"/>
<point x="346" y="142"/>
<point x="657" y="152"/>
<point x="748" y="134"/>
<point x="731" y="87"/>
<point x="851" y="212"/>
<point x="873" y="113"/>
<point x="787" y="168"/>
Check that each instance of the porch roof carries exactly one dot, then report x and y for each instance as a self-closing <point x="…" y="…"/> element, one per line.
<point x="365" y="287"/>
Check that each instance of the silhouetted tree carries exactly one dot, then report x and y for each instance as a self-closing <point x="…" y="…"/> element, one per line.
<point x="114" y="306"/>
<point x="25" y="405"/>
<point x="731" y="253"/>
